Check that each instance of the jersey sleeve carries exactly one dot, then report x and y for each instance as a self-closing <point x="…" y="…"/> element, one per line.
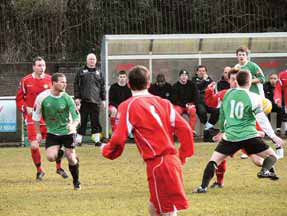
<point x="184" y="133"/>
<point x="210" y="98"/>
<point x="256" y="101"/>
<point x="116" y="145"/>
<point x="259" y="73"/>
<point x="278" y="92"/>
<point x="37" y="112"/>
<point x="20" y="97"/>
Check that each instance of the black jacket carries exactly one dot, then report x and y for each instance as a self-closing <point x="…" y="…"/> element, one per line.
<point x="201" y="85"/>
<point x="269" y="92"/>
<point x="89" y="86"/>
<point x="161" y="91"/>
<point x="184" y="94"/>
<point x="118" y="94"/>
<point x="222" y="84"/>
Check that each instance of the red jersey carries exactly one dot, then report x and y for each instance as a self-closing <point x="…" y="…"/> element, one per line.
<point x="29" y="88"/>
<point x="153" y="121"/>
<point x="281" y="86"/>
<point x="213" y="100"/>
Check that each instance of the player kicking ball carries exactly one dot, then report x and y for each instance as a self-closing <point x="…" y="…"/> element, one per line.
<point x="59" y="112"/>
<point x="238" y="114"/>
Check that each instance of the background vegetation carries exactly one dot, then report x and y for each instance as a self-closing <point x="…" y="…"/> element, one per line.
<point x="65" y="30"/>
<point x="119" y="187"/>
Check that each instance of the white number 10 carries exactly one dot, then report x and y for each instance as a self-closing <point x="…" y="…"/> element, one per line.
<point x="236" y="109"/>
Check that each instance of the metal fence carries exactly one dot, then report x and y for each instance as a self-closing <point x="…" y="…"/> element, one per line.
<point x="65" y="30"/>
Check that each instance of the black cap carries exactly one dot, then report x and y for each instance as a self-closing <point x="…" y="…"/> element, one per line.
<point x="183" y="71"/>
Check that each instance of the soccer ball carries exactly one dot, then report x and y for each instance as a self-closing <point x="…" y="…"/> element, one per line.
<point x="266" y="105"/>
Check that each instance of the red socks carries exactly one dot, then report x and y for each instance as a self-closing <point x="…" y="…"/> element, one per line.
<point x="220" y="172"/>
<point x="36" y="156"/>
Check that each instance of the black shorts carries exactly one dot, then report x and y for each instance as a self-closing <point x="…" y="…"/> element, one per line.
<point x="251" y="146"/>
<point x="68" y="141"/>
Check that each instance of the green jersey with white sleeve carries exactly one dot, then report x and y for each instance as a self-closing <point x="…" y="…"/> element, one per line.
<point x="237" y="114"/>
<point x="256" y="72"/>
<point x="57" y="111"/>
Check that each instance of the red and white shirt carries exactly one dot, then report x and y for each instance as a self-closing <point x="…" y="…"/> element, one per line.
<point x="153" y="121"/>
<point x="29" y="88"/>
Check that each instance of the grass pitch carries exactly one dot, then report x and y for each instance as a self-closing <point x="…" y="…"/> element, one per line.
<point x="119" y="187"/>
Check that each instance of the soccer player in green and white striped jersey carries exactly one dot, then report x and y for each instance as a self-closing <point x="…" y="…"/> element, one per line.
<point x="238" y="115"/>
<point x="59" y="112"/>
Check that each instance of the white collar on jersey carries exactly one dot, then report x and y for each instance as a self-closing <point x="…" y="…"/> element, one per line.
<point x="41" y="77"/>
<point x="140" y="93"/>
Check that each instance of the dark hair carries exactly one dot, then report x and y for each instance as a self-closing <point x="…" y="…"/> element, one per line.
<point x="233" y="71"/>
<point x="38" y="58"/>
<point x="242" y="49"/>
<point x="243" y="77"/>
<point x="160" y="78"/>
<point x="201" y="66"/>
<point x="55" y="76"/>
<point x="122" y="72"/>
<point x="139" y="77"/>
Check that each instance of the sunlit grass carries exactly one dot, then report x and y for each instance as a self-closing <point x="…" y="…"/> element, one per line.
<point x="119" y="187"/>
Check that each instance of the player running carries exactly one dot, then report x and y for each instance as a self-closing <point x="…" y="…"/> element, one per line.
<point x="31" y="86"/>
<point x="153" y="121"/>
<point x="58" y="110"/>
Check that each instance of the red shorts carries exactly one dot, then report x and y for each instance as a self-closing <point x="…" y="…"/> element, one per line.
<point x="31" y="130"/>
<point x="165" y="180"/>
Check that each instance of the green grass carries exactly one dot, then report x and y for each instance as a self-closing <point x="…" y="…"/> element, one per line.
<point x="119" y="187"/>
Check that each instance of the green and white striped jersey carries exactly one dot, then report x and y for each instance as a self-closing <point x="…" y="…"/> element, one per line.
<point x="57" y="111"/>
<point x="237" y="114"/>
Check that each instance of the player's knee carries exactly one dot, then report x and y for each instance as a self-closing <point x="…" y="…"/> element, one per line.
<point x="71" y="157"/>
<point x="51" y="157"/>
<point x="34" y="144"/>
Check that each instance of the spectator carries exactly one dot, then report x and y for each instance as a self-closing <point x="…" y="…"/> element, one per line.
<point x="161" y="88"/>
<point x="202" y="80"/>
<point x="224" y="83"/>
<point x="89" y="92"/>
<point x="118" y="93"/>
<point x="185" y="97"/>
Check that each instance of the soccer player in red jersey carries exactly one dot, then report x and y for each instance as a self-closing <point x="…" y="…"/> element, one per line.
<point x="147" y="115"/>
<point x="30" y="86"/>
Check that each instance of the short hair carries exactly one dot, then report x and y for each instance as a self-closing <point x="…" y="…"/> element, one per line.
<point x="138" y="77"/>
<point x="201" y="66"/>
<point x="233" y="71"/>
<point x="122" y="72"/>
<point x="242" y="49"/>
<point x="38" y="58"/>
<point x="243" y="77"/>
<point x="160" y="77"/>
<point x="55" y="76"/>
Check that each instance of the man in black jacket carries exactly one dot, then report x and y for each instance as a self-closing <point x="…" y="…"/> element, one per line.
<point x="89" y="92"/>
<point x="202" y="80"/>
<point x="185" y="97"/>
<point x="118" y="93"/>
<point x="161" y="88"/>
